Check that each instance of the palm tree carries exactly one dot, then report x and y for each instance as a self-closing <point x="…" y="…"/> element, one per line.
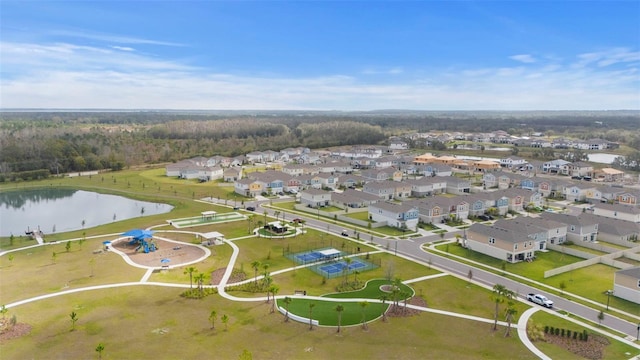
<point x="274" y="290"/>
<point x="99" y="350"/>
<point x="497" y="296"/>
<point x="286" y="301"/>
<point x="200" y="281"/>
<point x="267" y="283"/>
<point x="212" y="318"/>
<point x="510" y="312"/>
<point x="255" y="265"/>
<point x="405" y="296"/>
<point x="384" y="297"/>
<point x="190" y="270"/>
<point x="74" y="318"/>
<point x="347" y="262"/>
<point x="311" y="305"/>
<point x="250" y="220"/>
<point x="339" y="308"/>
<point x="363" y="305"/>
<point x="225" y="321"/>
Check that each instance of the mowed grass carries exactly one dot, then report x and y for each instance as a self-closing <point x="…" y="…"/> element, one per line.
<point x="615" y="350"/>
<point x="148" y="322"/>
<point x="326" y="314"/>
<point x="592" y="282"/>
<point x="34" y="271"/>
<point x="453" y="294"/>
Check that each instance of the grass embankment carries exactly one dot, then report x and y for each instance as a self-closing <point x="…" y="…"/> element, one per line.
<point x="590" y="282"/>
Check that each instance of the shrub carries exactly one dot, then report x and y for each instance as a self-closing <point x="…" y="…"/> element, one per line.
<point x="586" y="336"/>
<point x="557" y="331"/>
<point x="562" y="332"/>
<point x="552" y="330"/>
<point x="575" y="335"/>
<point x="546" y="329"/>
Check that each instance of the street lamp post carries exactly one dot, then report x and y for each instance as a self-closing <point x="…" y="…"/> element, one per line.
<point x="609" y="293"/>
<point x="638" y="333"/>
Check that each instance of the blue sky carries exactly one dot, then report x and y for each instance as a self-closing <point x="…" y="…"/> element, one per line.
<point x="321" y="55"/>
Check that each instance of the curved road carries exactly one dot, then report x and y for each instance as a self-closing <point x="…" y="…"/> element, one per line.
<point x="412" y="249"/>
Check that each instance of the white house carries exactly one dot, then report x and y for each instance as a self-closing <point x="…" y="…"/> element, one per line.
<point x="395" y="215"/>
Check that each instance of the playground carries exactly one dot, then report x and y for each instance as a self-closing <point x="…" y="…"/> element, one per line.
<point x="176" y="253"/>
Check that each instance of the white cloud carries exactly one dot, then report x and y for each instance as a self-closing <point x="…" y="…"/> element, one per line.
<point x="123" y="48"/>
<point x="524" y="58"/>
<point x="386" y="71"/>
<point x="112" y="38"/>
<point x="70" y="76"/>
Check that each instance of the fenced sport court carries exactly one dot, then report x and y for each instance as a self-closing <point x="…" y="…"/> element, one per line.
<point x="331" y="263"/>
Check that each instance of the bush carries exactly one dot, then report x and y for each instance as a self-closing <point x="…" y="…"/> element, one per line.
<point x="546" y="329"/>
<point x="575" y="335"/>
<point x="558" y="331"/>
<point x="562" y="332"/>
<point x="586" y="336"/>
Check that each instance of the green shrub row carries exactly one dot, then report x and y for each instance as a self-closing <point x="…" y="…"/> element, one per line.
<point x="582" y="336"/>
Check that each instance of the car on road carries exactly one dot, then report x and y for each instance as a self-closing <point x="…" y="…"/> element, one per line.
<point x="344" y="233"/>
<point x="297" y="220"/>
<point x="251" y="208"/>
<point x="483" y="217"/>
<point x="540" y="300"/>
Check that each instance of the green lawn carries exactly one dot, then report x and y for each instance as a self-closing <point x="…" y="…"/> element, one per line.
<point x="325" y="313"/>
<point x="362" y="215"/>
<point x="616" y="350"/>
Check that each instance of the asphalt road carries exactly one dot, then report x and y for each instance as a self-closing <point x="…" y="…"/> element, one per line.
<point x="412" y="248"/>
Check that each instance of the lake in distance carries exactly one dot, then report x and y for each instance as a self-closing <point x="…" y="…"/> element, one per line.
<point x="62" y="210"/>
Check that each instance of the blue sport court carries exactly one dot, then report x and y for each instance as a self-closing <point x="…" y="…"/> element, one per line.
<point x="339" y="267"/>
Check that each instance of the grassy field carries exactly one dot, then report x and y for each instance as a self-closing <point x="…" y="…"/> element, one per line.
<point x="148" y="321"/>
<point x="155" y="323"/>
<point x="590" y="282"/>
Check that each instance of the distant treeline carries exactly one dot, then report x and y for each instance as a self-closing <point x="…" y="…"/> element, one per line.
<point x="34" y="143"/>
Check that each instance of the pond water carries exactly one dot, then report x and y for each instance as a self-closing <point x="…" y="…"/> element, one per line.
<point x="602" y="158"/>
<point x="61" y="210"/>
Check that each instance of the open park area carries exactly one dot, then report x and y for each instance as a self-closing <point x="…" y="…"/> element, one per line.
<point x="342" y="297"/>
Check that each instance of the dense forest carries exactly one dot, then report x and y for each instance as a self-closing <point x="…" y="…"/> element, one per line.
<point x="36" y="144"/>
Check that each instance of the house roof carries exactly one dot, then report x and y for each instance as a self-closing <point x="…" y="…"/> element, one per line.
<point x="396" y="208"/>
<point x="633" y="272"/>
<point x="497" y="233"/>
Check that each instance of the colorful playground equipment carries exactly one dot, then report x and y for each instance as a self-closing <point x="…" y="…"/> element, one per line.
<point x="141" y="237"/>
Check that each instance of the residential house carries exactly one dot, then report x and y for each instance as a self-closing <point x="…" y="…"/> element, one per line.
<point x="558" y="166"/>
<point x="629" y="198"/>
<point x="580" y="169"/>
<point x="436" y="209"/>
<point x="610" y="175"/>
<point x="503" y="244"/>
<point x="579" y="228"/>
<point x="232" y="174"/>
<point x="381" y="174"/>
<point x="353" y="199"/>
<point x="512" y="162"/>
<point x="382" y="189"/>
<point x="456" y="185"/>
<point x="315" y="198"/>
<point x="616" y="231"/>
<point x="401" y="216"/>
<point x="617" y="211"/>
<point x="626" y="284"/>
<point x="248" y="187"/>
<point x="578" y="192"/>
<point x="533" y="229"/>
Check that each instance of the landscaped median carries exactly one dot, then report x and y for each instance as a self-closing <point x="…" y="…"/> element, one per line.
<point x="359" y="306"/>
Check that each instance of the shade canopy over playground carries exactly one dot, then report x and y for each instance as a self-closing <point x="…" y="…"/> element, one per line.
<point x="139" y="234"/>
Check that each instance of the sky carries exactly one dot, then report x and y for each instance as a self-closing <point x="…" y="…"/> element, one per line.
<point x="320" y="55"/>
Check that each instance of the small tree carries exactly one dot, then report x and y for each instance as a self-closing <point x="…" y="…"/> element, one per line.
<point x="286" y="301"/>
<point x="10" y="257"/>
<point x="99" y="350"/>
<point x="562" y="285"/>
<point x="246" y="355"/>
<point x="363" y="305"/>
<point x="74" y="318"/>
<point x="384" y="297"/>
<point x="3" y="311"/>
<point x="311" y="306"/>
<point x="225" y="321"/>
<point x="212" y="318"/>
<point x="274" y="291"/>
<point x="339" y="308"/>
<point x="53" y="257"/>
<point x="510" y="312"/>
<point x="68" y="246"/>
<point x="190" y="271"/>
